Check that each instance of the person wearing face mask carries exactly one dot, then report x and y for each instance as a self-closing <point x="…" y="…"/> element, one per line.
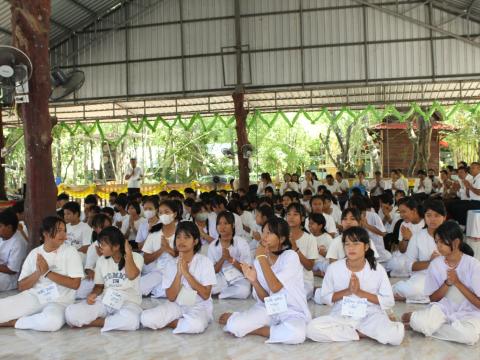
<point x="200" y="216"/>
<point x="150" y="211"/>
<point x="158" y="249"/>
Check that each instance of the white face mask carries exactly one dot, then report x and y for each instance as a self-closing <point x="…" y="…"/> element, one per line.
<point x="166" y="219"/>
<point x="149" y="214"/>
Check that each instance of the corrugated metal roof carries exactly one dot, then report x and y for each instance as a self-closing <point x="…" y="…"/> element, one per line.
<point x="66" y="15"/>
<point x="401" y="95"/>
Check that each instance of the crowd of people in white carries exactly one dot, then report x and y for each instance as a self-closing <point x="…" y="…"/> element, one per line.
<point x="95" y="264"/>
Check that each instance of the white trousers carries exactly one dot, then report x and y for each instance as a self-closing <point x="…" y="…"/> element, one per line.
<point x="31" y="314"/>
<point x="376" y="325"/>
<point x="433" y="322"/>
<point x="151" y="283"/>
<point x="399" y="265"/>
<point x="286" y="329"/>
<point x="86" y="287"/>
<point x="7" y="282"/>
<point x="191" y="319"/>
<point x="412" y="289"/>
<point x="317" y="299"/>
<point x="240" y="289"/>
<point x="126" y="318"/>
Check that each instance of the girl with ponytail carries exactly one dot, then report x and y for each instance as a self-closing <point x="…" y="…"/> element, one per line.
<point x="453" y="285"/>
<point x="114" y="303"/>
<point x="359" y="281"/>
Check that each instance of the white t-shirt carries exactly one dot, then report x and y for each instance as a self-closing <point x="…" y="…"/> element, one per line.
<point x="399" y="185"/>
<point x="202" y="269"/>
<point x="454" y="305"/>
<point x="108" y="275"/>
<point x="420" y="247"/>
<point x="414" y="228"/>
<point x="330" y="225"/>
<point x="79" y="235"/>
<point x="344" y="185"/>
<point x="143" y="231"/>
<point x="462" y="193"/>
<point x="337" y="252"/>
<point x="119" y="218"/>
<point x="64" y="261"/>
<point x="136" y="225"/>
<point x="248" y="220"/>
<point x="262" y="187"/>
<point x="240" y="251"/>
<point x="334" y="188"/>
<point x="374" y="189"/>
<point x="308" y="247"/>
<point x="374" y="220"/>
<point x="323" y="240"/>
<point x="137" y="173"/>
<point x="92" y="256"/>
<point x="476" y="185"/>
<point x="12" y="253"/>
<point x="290" y="186"/>
<point x="425" y="189"/>
<point x="154" y="243"/>
<point x="337" y="278"/>
<point x="389" y="227"/>
<point x="287" y="270"/>
<point x="312" y="185"/>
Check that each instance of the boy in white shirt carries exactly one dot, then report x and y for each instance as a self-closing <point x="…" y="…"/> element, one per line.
<point x="79" y="234"/>
<point x="13" y="250"/>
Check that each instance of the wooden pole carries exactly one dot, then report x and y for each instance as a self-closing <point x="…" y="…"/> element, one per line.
<point x="238" y="101"/>
<point x="30" y="30"/>
<point x="3" y="191"/>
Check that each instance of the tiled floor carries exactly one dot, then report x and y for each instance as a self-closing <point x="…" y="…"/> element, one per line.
<point x="87" y="344"/>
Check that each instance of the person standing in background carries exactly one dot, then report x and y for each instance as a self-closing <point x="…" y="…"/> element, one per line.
<point x="134" y="175"/>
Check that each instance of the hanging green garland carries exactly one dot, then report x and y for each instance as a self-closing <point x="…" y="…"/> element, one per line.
<point x="207" y="123"/>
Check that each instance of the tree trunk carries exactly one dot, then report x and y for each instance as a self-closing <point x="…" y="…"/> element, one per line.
<point x="242" y="138"/>
<point x="3" y="190"/>
<point x="30" y="29"/>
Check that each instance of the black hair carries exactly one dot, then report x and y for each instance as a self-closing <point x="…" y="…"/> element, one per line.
<point x="188" y="228"/>
<point x="72" y="206"/>
<point x="266" y="211"/>
<point x="18" y="207"/>
<point x="96" y="209"/>
<point x="9" y="218"/>
<point x="108" y="210"/>
<point x="197" y="207"/>
<point x="359" y="234"/>
<point x="113" y="236"/>
<point x="329" y="176"/>
<point x="267" y="200"/>
<point x="135" y="205"/>
<point x="315" y="197"/>
<point x="114" y="193"/>
<point x="122" y="201"/>
<point x="218" y="200"/>
<point x="386" y="199"/>
<point x="318" y="219"/>
<point x="50" y="226"/>
<point x="307" y="192"/>
<point x="448" y="232"/>
<point x="353" y="211"/>
<point x="230" y="219"/>
<point x="358" y="202"/>
<point x="189" y="191"/>
<point x="153" y="200"/>
<point x="234" y="205"/>
<point x="91" y="199"/>
<point x="63" y="196"/>
<point x="266" y="176"/>
<point x="179" y="209"/>
<point x="412" y="204"/>
<point x="269" y="189"/>
<point x="163" y="193"/>
<point x="99" y="221"/>
<point x="280" y="228"/>
<point x="435" y="205"/>
<point x="378" y="172"/>
<point x="301" y="210"/>
<point x="175" y="194"/>
<point x="189" y="202"/>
